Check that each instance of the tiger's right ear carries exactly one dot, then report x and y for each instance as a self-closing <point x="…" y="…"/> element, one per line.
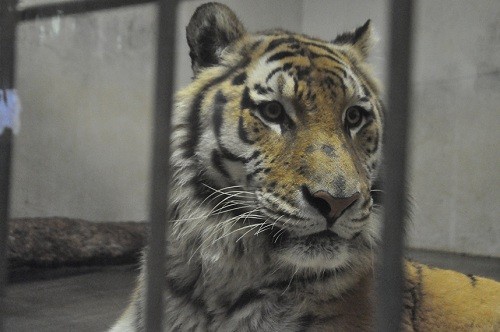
<point x="360" y="39"/>
<point x="211" y="29"/>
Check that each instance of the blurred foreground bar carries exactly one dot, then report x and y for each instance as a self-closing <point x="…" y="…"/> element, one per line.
<point x="160" y="171"/>
<point x="7" y="69"/>
<point x="390" y="275"/>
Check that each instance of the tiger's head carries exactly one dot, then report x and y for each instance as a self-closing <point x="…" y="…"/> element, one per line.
<point x="288" y="129"/>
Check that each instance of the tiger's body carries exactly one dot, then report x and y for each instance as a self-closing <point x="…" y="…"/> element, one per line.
<point x="276" y="147"/>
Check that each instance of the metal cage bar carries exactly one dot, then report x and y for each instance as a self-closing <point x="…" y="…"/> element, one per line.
<point x="390" y="276"/>
<point x="7" y="77"/>
<point x="160" y="173"/>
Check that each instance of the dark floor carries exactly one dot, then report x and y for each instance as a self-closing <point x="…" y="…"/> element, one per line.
<point x="87" y="302"/>
<point x="93" y="301"/>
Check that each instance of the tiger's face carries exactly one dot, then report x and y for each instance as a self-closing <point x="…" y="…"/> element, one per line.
<point x="296" y="123"/>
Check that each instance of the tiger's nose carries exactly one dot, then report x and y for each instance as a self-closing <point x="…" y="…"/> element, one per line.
<point x="329" y="206"/>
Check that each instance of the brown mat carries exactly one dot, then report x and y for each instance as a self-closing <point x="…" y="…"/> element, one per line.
<point x="39" y="246"/>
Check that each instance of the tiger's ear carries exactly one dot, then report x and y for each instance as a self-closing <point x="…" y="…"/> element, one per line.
<point x="211" y="29"/>
<point x="361" y="39"/>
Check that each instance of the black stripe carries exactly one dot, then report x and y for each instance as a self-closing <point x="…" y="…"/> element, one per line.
<point x="253" y="156"/>
<point x="340" y="79"/>
<point x="248" y="296"/>
<point x="271" y="186"/>
<point x="366" y="91"/>
<point x="330" y="82"/>
<point x="331" y="55"/>
<point x="295" y="86"/>
<point x="186" y="290"/>
<point x="231" y="156"/>
<point x="194" y="121"/>
<point x="242" y="133"/>
<point x="218" y="163"/>
<point x="252" y="48"/>
<point x="257" y="163"/>
<point x="413" y="308"/>
<point x="187" y="293"/>
<point x="284" y="68"/>
<point x="473" y="279"/>
<point x="194" y="126"/>
<point x="281" y="55"/>
<point x="219" y="103"/>
<point x="327" y="56"/>
<point x="246" y="101"/>
<point x="306" y="321"/>
<point x="321" y="46"/>
<point x="258" y="170"/>
<point x="260" y="89"/>
<point x="277" y="42"/>
<point x="287" y="66"/>
<point x="249" y="177"/>
<point x="344" y="72"/>
<point x="365" y="81"/>
<point x="239" y="79"/>
<point x="303" y="73"/>
<point x="332" y="73"/>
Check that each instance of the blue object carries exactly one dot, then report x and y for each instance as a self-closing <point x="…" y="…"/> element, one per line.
<point x="10" y="110"/>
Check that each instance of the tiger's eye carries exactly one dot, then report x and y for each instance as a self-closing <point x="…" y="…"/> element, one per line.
<point x="272" y="111"/>
<point x="353" y="116"/>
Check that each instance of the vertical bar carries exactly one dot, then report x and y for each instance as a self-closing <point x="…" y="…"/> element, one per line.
<point x="160" y="173"/>
<point x="5" y="162"/>
<point x="7" y="69"/>
<point x="390" y="276"/>
<point x="7" y="42"/>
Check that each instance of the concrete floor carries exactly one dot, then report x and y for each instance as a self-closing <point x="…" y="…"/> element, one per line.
<point x="88" y="302"/>
<point x="94" y="300"/>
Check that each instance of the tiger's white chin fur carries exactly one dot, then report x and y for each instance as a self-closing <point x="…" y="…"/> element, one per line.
<point x="326" y="259"/>
<point x="338" y="257"/>
<point x="327" y="251"/>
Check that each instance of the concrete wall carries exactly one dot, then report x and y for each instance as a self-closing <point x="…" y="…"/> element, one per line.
<point x="86" y="85"/>
<point x="455" y="154"/>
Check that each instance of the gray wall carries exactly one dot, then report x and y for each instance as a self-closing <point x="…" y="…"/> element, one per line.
<point x="85" y="83"/>
<point x="86" y="87"/>
<point x="455" y="154"/>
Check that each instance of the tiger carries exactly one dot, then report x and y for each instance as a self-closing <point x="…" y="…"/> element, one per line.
<point x="274" y="212"/>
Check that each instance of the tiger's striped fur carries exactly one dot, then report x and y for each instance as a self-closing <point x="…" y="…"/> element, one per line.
<point x="272" y="124"/>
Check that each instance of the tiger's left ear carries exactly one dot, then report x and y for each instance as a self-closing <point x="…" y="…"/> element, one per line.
<point x="361" y="39"/>
<point x="212" y="28"/>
